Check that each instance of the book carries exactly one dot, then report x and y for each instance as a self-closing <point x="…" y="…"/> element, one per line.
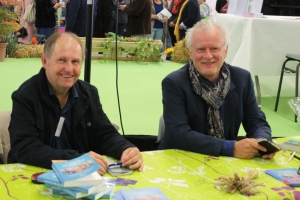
<point x="67" y="191"/>
<point x="164" y="15"/>
<point x="80" y="171"/>
<point x="141" y="193"/>
<point x="288" y="176"/>
<point x="50" y="177"/>
<point x="291" y="145"/>
<point x="105" y="193"/>
<point x="98" y="192"/>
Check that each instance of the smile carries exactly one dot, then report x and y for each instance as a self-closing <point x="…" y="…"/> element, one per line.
<point x="67" y="76"/>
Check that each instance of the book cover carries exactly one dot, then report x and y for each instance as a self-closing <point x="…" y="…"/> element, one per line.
<point x="291" y="145"/>
<point x="141" y="193"/>
<point x="288" y="176"/>
<point x="79" y="171"/>
<point x="164" y="15"/>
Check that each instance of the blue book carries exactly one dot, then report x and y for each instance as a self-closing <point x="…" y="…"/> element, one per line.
<point x="141" y="193"/>
<point x="288" y="176"/>
<point x="64" y="190"/>
<point x="51" y="178"/>
<point x="80" y="171"/>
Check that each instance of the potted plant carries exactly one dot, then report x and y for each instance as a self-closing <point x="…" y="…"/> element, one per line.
<point x="8" y="23"/>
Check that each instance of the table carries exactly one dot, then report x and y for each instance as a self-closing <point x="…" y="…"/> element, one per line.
<point x="260" y="45"/>
<point x="179" y="174"/>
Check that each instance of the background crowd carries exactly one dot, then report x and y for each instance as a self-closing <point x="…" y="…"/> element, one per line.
<point x="131" y="18"/>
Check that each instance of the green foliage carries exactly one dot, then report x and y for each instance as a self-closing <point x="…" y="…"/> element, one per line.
<point x="12" y="45"/>
<point x="143" y="48"/>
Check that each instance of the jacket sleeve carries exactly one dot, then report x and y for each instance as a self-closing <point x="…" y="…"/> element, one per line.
<point x="72" y="14"/>
<point x="178" y="132"/>
<point x="26" y="139"/>
<point x="136" y="7"/>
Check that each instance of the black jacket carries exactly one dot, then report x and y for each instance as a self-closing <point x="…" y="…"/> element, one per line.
<point x="33" y="124"/>
<point x="44" y="16"/>
<point x="76" y="17"/>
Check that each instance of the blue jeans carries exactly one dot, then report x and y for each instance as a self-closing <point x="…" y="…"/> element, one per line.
<point x="157" y="34"/>
<point x="45" y="31"/>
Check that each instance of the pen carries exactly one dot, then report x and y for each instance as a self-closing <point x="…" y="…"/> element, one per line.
<point x="297" y="157"/>
<point x="115" y="164"/>
<point x="292" y="155"/>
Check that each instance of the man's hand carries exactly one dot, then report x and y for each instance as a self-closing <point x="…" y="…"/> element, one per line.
<point x="171" y="24"/>
<point x="132" y="158"/>
<point x="101" y="161"/>
<point x="247" y="148"/>
<point x="122" y="7"/>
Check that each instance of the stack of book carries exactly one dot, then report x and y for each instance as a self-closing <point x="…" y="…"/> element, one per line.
<point x="77" y="178"/>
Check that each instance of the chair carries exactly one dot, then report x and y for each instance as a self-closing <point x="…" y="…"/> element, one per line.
<point x="289" y="57"/>
<point x="4" y="135"/>
<point x="161" y="129"/>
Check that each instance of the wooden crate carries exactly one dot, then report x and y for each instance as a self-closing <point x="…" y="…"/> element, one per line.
<point x="128" y="49"/>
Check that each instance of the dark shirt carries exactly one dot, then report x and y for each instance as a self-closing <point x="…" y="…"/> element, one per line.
<point x="61" y="141"/>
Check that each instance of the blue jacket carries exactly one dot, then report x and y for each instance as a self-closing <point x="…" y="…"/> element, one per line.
<point x="34" y="121"/>
<point x="76" y="17"/>
<point x="185" y="113"/>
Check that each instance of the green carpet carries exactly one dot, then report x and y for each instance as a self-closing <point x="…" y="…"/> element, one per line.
<point x="139" y="90"/>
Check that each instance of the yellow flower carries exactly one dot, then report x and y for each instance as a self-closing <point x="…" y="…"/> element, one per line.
<point x="169" y="51"/>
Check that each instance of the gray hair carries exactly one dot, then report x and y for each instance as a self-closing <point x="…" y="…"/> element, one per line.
<point x="206" y="25"/>
<point x="50" y="42"/>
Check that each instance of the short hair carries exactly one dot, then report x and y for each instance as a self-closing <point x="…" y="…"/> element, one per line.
<point x="50" y="42"/>
<point x="205" y="25"/>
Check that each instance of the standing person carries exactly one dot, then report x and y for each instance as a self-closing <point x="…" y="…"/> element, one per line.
<point x="174" y="8"/>
<point x="76" y="17"/>
<point x="205" y="9"/>
<point x="188" y="16"/>
<point x="104" y="19"/>
<point x="207" y="100"/>
<point x="139" y="18"/>
<point x="45" y="17"/>
<point x="30" y="28"/>
<point x="122" y="17"/>
<point x="159" y="29"/>
<point x="55" y="116"/>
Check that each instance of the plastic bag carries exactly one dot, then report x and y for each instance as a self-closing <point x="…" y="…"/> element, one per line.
<point x="295" y="105"/>
<point x="29" y="15"/>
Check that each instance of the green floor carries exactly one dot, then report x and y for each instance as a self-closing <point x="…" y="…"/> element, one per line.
<point x="139" y="90"/>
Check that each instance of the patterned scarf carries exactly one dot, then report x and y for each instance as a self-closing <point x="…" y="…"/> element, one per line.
<point x="176" y="6"/>
<point x="213" y="95"/>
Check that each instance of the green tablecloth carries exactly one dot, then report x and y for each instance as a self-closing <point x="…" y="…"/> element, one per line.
<point x="179" y="174"/>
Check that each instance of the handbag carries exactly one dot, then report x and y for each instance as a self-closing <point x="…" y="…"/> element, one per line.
<point x="29" y="15"/>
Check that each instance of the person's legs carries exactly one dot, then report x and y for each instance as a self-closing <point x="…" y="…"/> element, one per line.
<point x="45" y="31"/>
<point x="121" y="28"/>
<point x="158" y="34"/>
<point x="173" y="37"/>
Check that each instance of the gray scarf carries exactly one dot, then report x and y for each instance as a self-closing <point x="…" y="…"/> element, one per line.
<point x="213" y="95"/>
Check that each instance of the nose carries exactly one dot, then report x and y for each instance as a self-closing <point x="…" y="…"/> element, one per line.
<point x="68" y="66"/>
<point x="207" y="54"/>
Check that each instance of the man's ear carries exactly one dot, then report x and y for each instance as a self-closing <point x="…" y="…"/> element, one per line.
<point x="44" y="60"/>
